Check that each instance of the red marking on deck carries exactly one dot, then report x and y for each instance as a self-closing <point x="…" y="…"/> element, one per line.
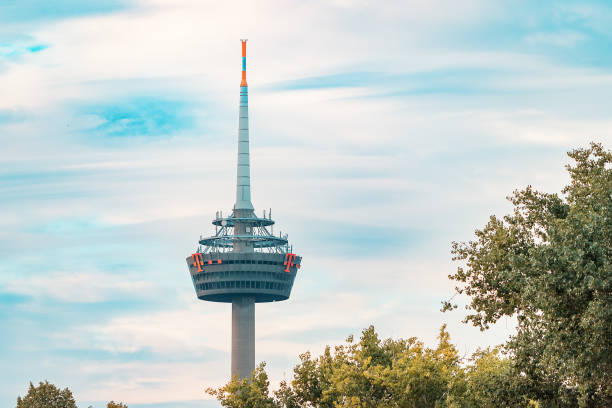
<point x="289" y="257"/>
<point x="197" y="261"/>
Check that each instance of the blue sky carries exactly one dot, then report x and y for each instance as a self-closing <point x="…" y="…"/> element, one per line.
<point x="380" y="133"/>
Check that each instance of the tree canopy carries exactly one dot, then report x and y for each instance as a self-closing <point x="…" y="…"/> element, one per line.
<point x="374" y="373"/>
<point x="549" y="264"/>
<point x="113" y="404"/>
<point x="46" y="395"/>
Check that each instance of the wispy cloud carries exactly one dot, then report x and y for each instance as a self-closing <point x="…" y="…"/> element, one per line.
<point x="31" y="10"/>
<point x="559" y="39"/>
<point x="80" y="287"/>
<point x="12" y="51"/>
<point x="140" y="117"/>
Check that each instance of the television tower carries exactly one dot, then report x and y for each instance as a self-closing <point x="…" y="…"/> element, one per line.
<point x="244" y="262"/>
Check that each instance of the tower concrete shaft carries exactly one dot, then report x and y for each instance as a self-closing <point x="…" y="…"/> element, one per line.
<point x="243" y="336"/>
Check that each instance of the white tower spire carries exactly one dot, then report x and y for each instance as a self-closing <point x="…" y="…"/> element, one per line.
<point x="243" y="182"/>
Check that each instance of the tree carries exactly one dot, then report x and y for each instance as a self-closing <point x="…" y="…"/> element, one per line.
<point x="370" y="373"/>
<point x="549" y="264"/>
<point x="46" y="395"/>
<point x="246" y="393"/>
<point x="491" y="381"/>
<point x="114" y="404"/>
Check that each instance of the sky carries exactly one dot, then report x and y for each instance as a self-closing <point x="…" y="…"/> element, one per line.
<point x="380" y="133"/>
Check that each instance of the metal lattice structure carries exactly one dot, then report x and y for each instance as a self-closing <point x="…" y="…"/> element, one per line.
<point x="243" y="263"/>
<point x="256" y="233"/>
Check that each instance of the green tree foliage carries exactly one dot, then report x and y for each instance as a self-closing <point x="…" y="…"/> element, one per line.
<point x="549" y="264"/>
<point x="46" y="395"/>
<point x="374" y="373"/>
<point x="491" y="381"/>
<point x="246" y="393"/>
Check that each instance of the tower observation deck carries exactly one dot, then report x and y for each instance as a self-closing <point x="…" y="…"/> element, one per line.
<point x="243" y="263"/>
